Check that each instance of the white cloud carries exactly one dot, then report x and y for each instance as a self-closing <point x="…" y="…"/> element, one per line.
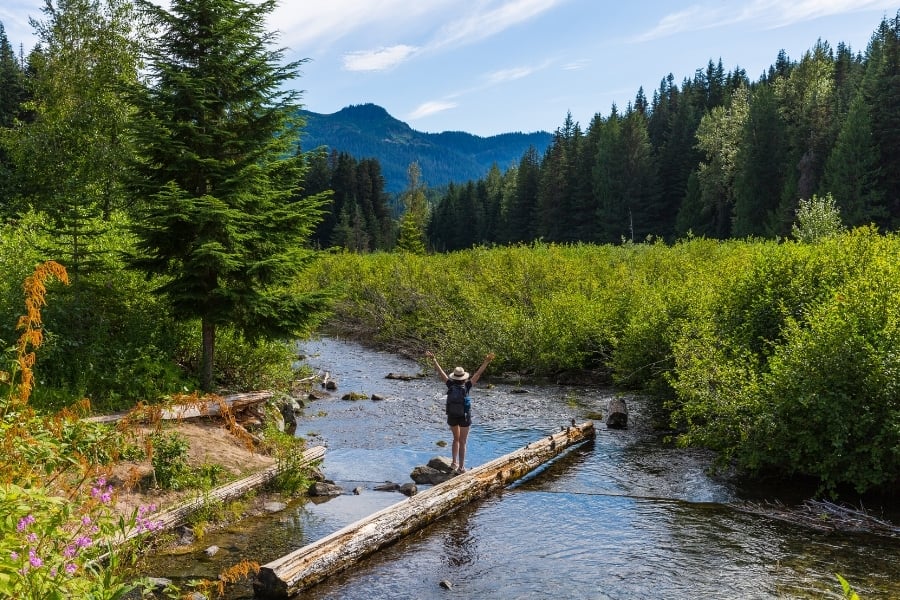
<point x="512" y="74"/>
<point x="320" y="24"/>
<point x="378" y="60"/>
<point x="764" y="13"/>
<point x="429" y="108"/>
<point x="576" y="65"/>
<point x="480" y="24"/>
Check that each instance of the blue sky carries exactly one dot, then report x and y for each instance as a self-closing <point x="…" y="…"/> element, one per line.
<point x="495" y="66"/>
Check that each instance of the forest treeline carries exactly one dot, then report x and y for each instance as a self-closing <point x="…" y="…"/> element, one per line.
<point x="719" y="156"/>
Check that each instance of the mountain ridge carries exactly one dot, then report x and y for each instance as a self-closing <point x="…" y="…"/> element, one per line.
<point x="369" y="131"/>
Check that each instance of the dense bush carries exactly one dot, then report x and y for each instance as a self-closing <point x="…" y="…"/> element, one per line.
<point x="781" y="356"/>
<point x="108" y="337"/>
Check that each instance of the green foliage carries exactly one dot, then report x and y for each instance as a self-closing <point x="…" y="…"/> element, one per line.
<point x="169" y="460"/>
<point x="817" y="218"/>
<point x="58" y="531"/>
<point x="779" y="356"/>
<point x="849" y="594"/>
<point x="242" y="365"/>
<point x="293" y="473"/>
<point x="110" y="340"/>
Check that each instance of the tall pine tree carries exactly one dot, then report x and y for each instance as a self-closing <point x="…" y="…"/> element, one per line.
<point x="218" y="174"/>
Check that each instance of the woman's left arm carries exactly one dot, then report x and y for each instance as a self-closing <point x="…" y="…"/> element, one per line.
<point x="487" y="361"/>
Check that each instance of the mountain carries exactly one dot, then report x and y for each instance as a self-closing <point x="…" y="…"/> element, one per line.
<point x="368" y="131"/>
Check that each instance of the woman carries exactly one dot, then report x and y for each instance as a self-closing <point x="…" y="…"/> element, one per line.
<point x="459" y="425"/>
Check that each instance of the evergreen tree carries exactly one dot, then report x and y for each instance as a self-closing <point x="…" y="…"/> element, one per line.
<point x="12" y="94"/>
<point x="852" y="171"/>
<point x="614" y="221"/>
<point x="218" y="174"/>
<point x="881" y="89"/>
<point x="807" y="105"/>
<point x="760" y="166"/>
<point x="522" y="212"/>
<point x="415" y="215"/>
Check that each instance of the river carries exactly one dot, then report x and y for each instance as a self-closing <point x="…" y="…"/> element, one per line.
<point x="622" y="517"/>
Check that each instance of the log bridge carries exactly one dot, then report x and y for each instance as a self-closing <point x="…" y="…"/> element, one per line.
<point x="303" y="568"/>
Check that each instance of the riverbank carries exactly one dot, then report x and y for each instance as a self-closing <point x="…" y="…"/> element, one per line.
<point x="209" y="444"/>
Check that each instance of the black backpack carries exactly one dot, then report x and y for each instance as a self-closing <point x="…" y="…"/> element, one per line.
<point x="456" y="400"/>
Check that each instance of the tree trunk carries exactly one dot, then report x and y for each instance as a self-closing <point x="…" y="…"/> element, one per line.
<point x="309" y="565"/>
<point x="209" y="349"/>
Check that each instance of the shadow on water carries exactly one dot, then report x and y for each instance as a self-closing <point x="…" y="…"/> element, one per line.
<point x="622" y="517"/>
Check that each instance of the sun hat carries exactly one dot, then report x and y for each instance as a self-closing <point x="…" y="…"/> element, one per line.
<point x="459" y="374"/>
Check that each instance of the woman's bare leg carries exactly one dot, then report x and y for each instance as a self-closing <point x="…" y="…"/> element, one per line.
<point x="455" y="449"/>
<point x="463" y="436"/>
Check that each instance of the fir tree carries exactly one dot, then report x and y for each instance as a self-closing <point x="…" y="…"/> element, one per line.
<point x="219" y="173"/>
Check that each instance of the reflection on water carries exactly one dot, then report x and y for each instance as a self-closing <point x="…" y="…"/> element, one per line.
<point x="621" y="517"/>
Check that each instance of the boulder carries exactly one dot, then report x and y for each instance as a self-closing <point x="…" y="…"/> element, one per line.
<point x="325" y="488"/>
<point x="428" y="475"/>
<point x="387" y="486"/>
<point x="408" y="489"/>
<point x="440" y="463"/>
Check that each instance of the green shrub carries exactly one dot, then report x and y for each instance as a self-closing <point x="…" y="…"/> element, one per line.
<point x="169" y="460"/>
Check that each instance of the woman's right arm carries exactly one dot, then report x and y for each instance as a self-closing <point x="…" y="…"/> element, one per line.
<point x="437" y="365"/>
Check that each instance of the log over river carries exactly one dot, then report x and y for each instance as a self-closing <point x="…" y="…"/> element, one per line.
<point x="622" y="517"/>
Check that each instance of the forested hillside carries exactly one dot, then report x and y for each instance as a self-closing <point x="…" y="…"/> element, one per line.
<point x="719" y="155"/>
<point x="368" y="131"/>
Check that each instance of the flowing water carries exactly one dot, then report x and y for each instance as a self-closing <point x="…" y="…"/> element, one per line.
<point x="621" y="517"/>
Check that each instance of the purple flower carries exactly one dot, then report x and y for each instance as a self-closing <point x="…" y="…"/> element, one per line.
<point x="71" y="568"/>
<point x="86" y="520"/>
<point x="14" y="555"/>
<point x="34" y="559"/>
<point x="69" y="551"/>
<point x="24" y="522"/>
<point x="83" y="541"/>
<point x="32" y="538"/>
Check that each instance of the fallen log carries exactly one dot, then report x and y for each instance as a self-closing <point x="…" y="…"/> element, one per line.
<point x="303" y="568"/>
<point x="202" y="408"/>
<point x="235" y="403"/>
<point x="178" y="515"/>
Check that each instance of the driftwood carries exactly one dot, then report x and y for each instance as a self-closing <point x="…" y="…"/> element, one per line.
<point x="203" y="408"/>
<point x="311" y="564"/>
<point x="178" y="515"/>
<point x="824" y="516"/>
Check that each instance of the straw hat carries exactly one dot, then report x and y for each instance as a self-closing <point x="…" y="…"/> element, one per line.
<point x="459" y="374"/>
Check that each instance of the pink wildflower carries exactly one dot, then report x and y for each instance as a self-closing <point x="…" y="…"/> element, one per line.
<point x="71" y="568"/>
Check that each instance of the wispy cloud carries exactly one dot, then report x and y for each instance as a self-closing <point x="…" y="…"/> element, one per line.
<point x="483" y="20"/>
<point x="576" y="65"/>
<point x="430" y="108"/>
<point x="504" y="75"/>
<point x="320" y="24"/>
<point x="378" y="60"/>
<point x="762" y="13"/>
<point x="487" y="20"/>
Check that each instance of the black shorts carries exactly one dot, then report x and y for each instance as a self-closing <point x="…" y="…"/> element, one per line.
<point x="463" y="421"/>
